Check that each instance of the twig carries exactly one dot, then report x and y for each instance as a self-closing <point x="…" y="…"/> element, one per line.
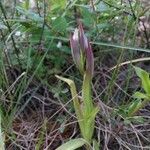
<point x="130" y="62"/>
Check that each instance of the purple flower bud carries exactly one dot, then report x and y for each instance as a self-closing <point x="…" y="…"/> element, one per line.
<point x="82" y="38"/>
<point x="82" y="51"/>
<point x="76" y="51"/>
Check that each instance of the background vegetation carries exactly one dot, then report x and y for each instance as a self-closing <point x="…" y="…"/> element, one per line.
<point x="36" y="110"/>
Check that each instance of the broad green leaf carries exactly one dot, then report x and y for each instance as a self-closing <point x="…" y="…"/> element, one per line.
<point x="88" y="17"/>
<point x="140" y="95"/>
<point x="140" y="72"/>
<point x="134" y="107"/>
<point x="59" y="24"/>
<point x="72" y="144"/>
<point x="74" y="95"/>
<point x="144" y="76"/>
<point x="102" y="7"/>
<point x="89" y="124"/>
<point x="55" y="4"/>
<point x="30" y="14"/>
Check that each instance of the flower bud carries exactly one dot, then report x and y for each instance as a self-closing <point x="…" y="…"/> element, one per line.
<point x="82" y="52"/>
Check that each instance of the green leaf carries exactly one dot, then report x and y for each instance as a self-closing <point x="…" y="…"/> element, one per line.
<point x="59" y="24"/>
<point x="96" y="145"/>
<point x="88" y="17"/>
<point x="144" y="76"/>
<point x="140" y="95"/>
<point x="72" y="144"/>
<point x="74" y="95"/>
<point x="89" y="124"/>
<point x="103" y="25"/>
<point x="55" y="4"/>
<point x="30" y="14"/>
<point x="102" y="7"/>
<point x="134" y="107"/>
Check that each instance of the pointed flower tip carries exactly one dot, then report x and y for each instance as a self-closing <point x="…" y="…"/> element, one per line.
<point x="81" y="27"/>
<point x="89" y="61"/>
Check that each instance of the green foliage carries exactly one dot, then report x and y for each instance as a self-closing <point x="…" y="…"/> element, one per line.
<point x="35" y="41"/>
<point x="2" y="139"/>
<point x="141" y="99"/>
<point x="49" y="24"/>
<point x="144" y="76"/>
<point x="144" y="98"/>
<point x="72" y="144"/>
<point x="59" y="24"/>
<point x="58" y="4"/>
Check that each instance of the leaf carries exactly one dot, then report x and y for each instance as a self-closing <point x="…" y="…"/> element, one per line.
<point x="96" y="145"/>
<point x="72" y="144"/>
<point x="102" y="7"/>
<point x="140" y="95"/>
<point x="74" y="95"/>
<point x="144" y="76"/>
<point x="103" y="25"/>
<point x="55" y="4"/>
<point x="59" y="24"/>
<point x="30" y="14"/>
<point x="134" y="107"/>
<point x="89" y="124"/>
<point x="88" y="17"/>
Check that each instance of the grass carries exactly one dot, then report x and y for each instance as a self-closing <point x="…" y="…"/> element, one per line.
<point x="2" y="141"/>
<point x="36" y="108"/>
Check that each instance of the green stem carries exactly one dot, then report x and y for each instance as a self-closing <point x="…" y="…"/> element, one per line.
<point x="89" y="112"/>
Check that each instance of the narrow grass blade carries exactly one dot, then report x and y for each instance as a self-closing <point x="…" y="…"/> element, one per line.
<point x="2" y="145"/>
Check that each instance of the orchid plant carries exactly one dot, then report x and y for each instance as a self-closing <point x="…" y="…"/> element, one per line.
<point x="86" y="112"/>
